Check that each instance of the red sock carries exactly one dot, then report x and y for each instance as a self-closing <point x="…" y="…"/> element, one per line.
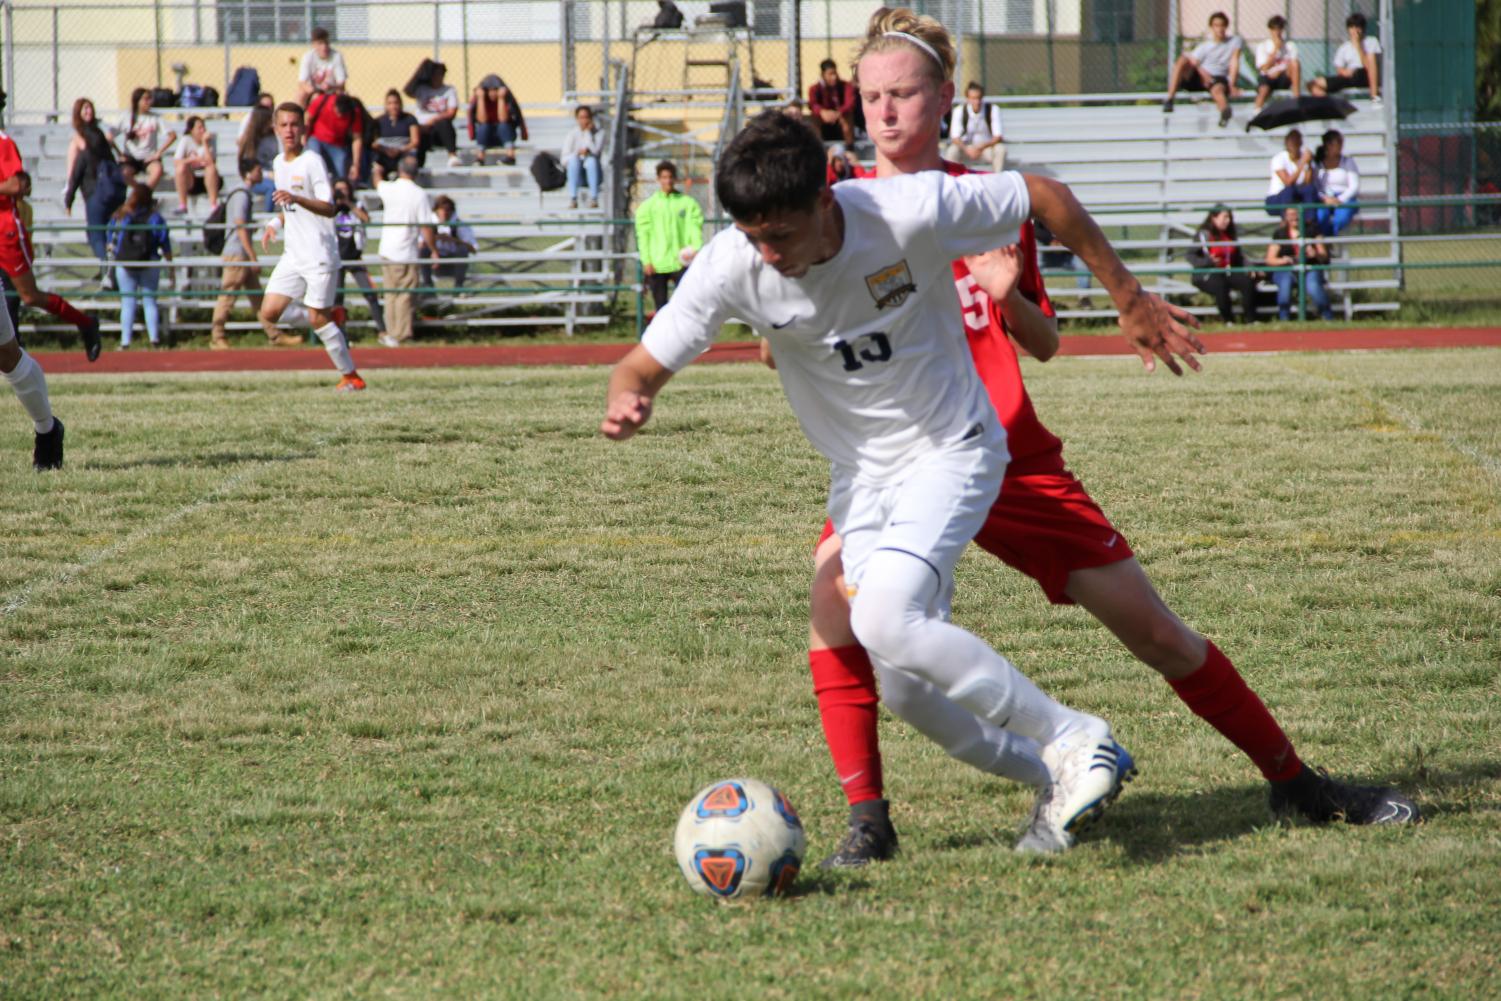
<point x="1220" y="696"/>
<point x="59" y="307"/>
<point x="845" y="684"/>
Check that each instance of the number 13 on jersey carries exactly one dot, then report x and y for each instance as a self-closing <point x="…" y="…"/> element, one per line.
<point x="873" y="347"/>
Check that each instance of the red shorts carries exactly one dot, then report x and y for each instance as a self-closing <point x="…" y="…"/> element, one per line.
<point x="15" y="247"/>
<point x="1046" y="525"/>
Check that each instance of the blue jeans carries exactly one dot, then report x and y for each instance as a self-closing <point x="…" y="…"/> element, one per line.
<point x="138" y="283"/>
<point x="1332" y="219"/>
<point x="265" y="187"/>
<point x="578" y="169"/>
<point x="337" y="158"/>
<point x="489" y="135"/>
<point x="1292" y="194"/>
<point x="1313" y="287"/>
<point x="97" y="213"/>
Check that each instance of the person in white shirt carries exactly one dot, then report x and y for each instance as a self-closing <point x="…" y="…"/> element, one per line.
<point x="853" y="288"/>
<point x="437" y="106"/>
<point x="1292" y="179"/>
<point x="308" y="271"/>
<point x="144" y="140"/>
<point x="1277" y="65"/>
<point x="406" y="228"/>
<point x="583" y="150"/>
<point x="1339" y="183"/>
<point x="1355" y="63"/>
<point x="974" y="132"/>
<point x="1213" y="66"/>
<point x="195" y="166"/>
<point x="322" y="69"/>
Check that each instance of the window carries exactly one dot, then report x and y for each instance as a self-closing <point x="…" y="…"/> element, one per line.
<point x="277" y="21"/>
<point x="1114" y="20"/>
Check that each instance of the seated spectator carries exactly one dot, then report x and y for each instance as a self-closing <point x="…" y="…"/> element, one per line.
<point x="495" y="120"/>
<point x="264" y="100"/>
<point x="335" y="132"/>
<point x="258" y="142"/>
<point x="406" y="230"/>
<point x="1053" y="254"/>
<point x="844" y="165"/>
<point x="350" y="220"/>
<point x="1216" y="252"/>
<point x="143" y="144"/>
<point x="97" y="175"/>
<point x="1282" y="252"/>
<point x="669" y="233"/>
<point x="1213" y="66"/>
<point x="832" y="104"/>
<point x="1355" y="63"/>
<point x="455" y="241"/>
<point x="1338" y="180"/>
<point x="1292" y="180"/>
<point x="437" y="106"/>
<point x="195" y="166"/>
<point x="241" y="273"/>
<point x="668" y="16"/>
<point x="322" y="69"/>
<point x="138" y="234"/>
<point x="1277" y="65"/>
<point x="583" y="147"/>
<point x="974" y="133"/>
<point x="396" y="134"/>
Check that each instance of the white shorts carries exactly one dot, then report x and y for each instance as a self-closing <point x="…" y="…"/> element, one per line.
<point x="7" y="332"/>
<point x="932" y="514"/>
<point x="314" y="289"/>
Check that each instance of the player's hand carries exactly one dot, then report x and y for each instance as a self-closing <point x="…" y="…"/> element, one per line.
<point x="624" y="415"/>
<point x="650" y="270"/>
<point x="767" y="358"/>
<point x="282" y="198"/>
<point x="1157" y="329"/>
<point x="266" y="239"/>
<point x="996" y="271"/>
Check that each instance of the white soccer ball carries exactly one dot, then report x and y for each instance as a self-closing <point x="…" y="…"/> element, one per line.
<point x="739" y="838"/>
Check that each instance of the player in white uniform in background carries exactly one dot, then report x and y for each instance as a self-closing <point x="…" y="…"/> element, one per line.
<point x="852" y="287"/>
<point x="308" y="270"/>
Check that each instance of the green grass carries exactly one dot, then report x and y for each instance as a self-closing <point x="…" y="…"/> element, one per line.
<point x="400" y="694"/>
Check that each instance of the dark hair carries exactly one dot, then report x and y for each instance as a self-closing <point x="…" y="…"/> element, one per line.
<point x="248" y="165"/>
<point x="135" y="102"/>
<point x="1208" y="227"/>
<point x="293" y="107"/>
<point x="78" y="123"/>
<point x="828" y="64"/>
<point x="192" y="121"/>
<point x="265" y="95"/>
<point x="973" y="85"/>
<point x="444" y="202"/>
<point x="260" y="125"/>
<point x="320" y="34"/>
<point x="1277" y="21"/>
<point x="583" y="107"/>
<point x="138" y="200"/>
<point x="1356" y="20"/>
<point x="1333" y="135"/>
<point x="1290" y="134"/>
<point x="775" y="164"/>
<point x="344" y="105"/>
<point x="668" y="166"/>
<point x="393" y="92"/>
<point x="1221" y="15"/>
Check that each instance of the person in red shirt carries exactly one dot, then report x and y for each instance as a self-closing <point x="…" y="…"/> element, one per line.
<point x="336" y="133"/>
<point x="16" y="256"/>
<point x="1216" y="252"/>
<point x="1043" y="523"/>
<point x="832" y="103"/>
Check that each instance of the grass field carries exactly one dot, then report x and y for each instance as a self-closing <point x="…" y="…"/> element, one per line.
<point x="400" y="694"/>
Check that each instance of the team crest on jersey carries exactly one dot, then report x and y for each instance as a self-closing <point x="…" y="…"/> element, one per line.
<point x="891" y="285"/>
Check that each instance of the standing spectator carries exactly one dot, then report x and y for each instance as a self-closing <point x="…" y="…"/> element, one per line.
<point x="669" y="232"/>
<point x="1053" y="254"/>
<point x="350" y="220"/>
<point x="1355" y="63"/>
<point x="495" y="119"/>
<point x="334" y="133"/>
<point x="1216" y="251"/>
<point x="143" y="145"/>
<point x="832" y="104"/>
<point x="258" y="142"/>
<point x="1277" y="65"/>
<point x="242" y="273"/>
<point x="97" y="175"/>
<point x="1282" y="252"/>
<point x="407" y="222"/>
<point x="322" y="69"/>
<point x="1292" y="181"/>
<point x="583" y="147"/>
<point x="138" y="234"/>
<point x="194" y="166"/>
<point x="975" y="134"/>
<point x="1213" y="66"/>
<point x="396" y="135"/>
<point x="83" y="114"/>
<point x="437" y="106"/>
<point x="454" y="239"/>
<point x="1339" y="183"/>
<point x="263" y="100"/>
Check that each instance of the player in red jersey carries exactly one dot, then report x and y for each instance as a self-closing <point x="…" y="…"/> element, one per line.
<point x="15" y="250"/>
<point x="1044" y="523"/>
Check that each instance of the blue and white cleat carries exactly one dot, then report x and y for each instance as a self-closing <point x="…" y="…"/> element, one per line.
<point x="1088" y="769"/>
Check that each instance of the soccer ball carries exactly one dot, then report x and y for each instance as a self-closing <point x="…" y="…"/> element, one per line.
<point x="739" y="838"/>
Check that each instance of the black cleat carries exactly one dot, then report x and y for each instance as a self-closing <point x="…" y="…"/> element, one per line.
<point x="1224" y="118"/>
<point x="1167" y="106"/>
<point x="1319" y="799"/>
<point x="871" y="838"/>
<point x="92" y="344"/>
<point x="48" y="452"/>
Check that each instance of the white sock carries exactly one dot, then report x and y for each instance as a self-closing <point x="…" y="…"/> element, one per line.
<point x="336" y="346"/>
<point x="31" y="389"/>
<point x="295" y="315"/>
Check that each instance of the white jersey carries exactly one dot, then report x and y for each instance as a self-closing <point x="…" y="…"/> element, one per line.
<point x="310" y="243"/>
<point x="869" y="345"/>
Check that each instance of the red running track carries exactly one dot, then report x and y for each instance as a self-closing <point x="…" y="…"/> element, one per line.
<point x="269" y="359"/>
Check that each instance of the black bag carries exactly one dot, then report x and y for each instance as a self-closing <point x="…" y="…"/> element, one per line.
<point x="215" y="233"/>
<point x="196" y="95"/>
<point x="244" y="89"/>
<point x="161" y="97"/>
<point x="548" y="172"/>
<point x="421" y="78"/>
<point x="668" y="15"/>
<point x="136" y="242"/>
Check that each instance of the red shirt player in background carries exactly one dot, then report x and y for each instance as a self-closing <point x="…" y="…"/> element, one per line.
<point x="15" y="250"/>
<point x="1043" y="523"/>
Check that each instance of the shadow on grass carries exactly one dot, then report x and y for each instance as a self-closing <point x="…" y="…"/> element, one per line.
<point x="1426" y="780"/>
<point x="213" y="460"/>
<point x="815" y="882"/>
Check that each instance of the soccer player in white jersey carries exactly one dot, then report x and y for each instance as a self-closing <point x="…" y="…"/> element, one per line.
<point x="308" y="270"/>
<point x="853" y="288"/>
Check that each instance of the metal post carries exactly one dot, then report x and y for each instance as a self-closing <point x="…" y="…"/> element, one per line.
<point x="565" y="9"/>
<point x="10" y="49"/>
<point x="222" y="26"/>
<point x="1172" y="38"/>
<point x="197" y="22"/>
<point x="794" y="48"/>
<point x="1052" y="68"/>
<point x="157" y="31"/>
<point x="56" y="67"/>
<point x="1392" y="123"/>
<point x="464" y="41"/>
<point x="437" y="31"/>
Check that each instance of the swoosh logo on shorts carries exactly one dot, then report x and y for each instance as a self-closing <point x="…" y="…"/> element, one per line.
<point x="1111" y="541"/>
<point x="779" y="326"/>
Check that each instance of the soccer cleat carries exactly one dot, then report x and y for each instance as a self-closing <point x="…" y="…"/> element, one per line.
<point x="92" y="344"/>
<point x="870" y="838"/>
<point x="351" y="383"/>
<point x="1045" y="833"/>
<point x="387" y="341"/>
<point x="1320" y="799"/>
<point x="1088" y="769"/>
<point x="48" y="451"/>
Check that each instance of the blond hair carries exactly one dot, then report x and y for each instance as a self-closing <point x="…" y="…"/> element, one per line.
<point x="909" y="22"/>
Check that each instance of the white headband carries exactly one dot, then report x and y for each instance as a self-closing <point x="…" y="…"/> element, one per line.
<point x="915" y="41"/>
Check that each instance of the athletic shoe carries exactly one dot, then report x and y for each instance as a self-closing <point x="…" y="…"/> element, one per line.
<point x="92" y="344"/>
<point x="1316" y="797"/>
<point x="1376" y="102"/>
<point x="1167" y="106"/>
<point x="1045" y="833"/>
<point x="388" y="341"/>
<point x="454" y="161"/>
<point x="870" y="838"/>
<point x="48" y="451"/>
<point x="1088" y="769"/>
<point x="351" y="383"/>
<point x="1224" y="118"/>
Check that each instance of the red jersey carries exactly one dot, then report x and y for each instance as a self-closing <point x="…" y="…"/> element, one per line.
<point x="328" y="126"/>
<point x="10" y="166"/>
<point x="1033" y="446"/>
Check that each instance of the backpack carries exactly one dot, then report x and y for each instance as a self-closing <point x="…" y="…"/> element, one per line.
<point x="668" y="16"/>
<point x="244" y="89"/>
<point x="109" y="185"/>
<point x="196" y="95"/>
<point x="161" y="97"/>
<point x="215" y="232"/>
<point x="548" y="172"/>
<point x="137" y="242"/>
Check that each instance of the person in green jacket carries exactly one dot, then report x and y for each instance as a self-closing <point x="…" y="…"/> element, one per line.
<point x="669" y="231"/>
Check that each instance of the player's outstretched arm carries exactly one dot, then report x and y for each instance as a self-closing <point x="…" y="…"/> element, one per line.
<point x="1153" y="327"/>
<point x="634" y="382"/>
